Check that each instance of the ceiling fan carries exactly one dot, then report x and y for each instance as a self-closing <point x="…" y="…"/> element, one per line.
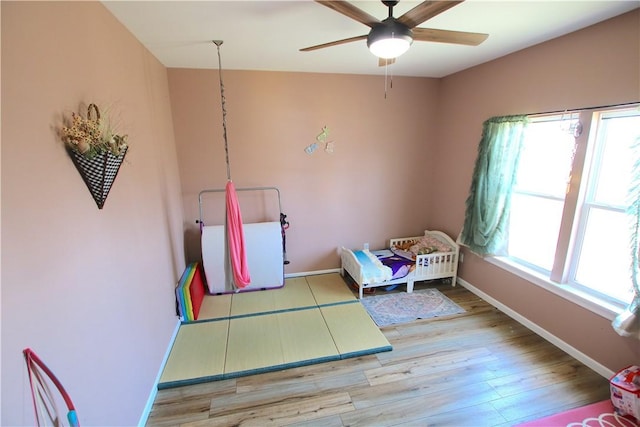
<point x="392" y="37"/>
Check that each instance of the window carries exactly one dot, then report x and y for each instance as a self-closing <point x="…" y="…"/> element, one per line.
<point x="568" y="216"/>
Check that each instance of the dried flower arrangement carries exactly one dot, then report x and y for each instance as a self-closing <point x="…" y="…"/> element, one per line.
<point x="92" y="136"/>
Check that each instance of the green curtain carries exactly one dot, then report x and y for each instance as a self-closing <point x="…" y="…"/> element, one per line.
<point x="627" y="323"/>
<point x="487" y="206"/>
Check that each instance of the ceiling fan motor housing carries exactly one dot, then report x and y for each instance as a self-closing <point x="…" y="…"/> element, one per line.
<point x="390" y="4"/>
<point x="389" y="31"/>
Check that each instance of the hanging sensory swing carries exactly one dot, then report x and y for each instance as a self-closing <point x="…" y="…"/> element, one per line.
<point x="236" y="257"/>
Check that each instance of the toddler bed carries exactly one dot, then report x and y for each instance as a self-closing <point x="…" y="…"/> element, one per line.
<point x="408" y="259"/>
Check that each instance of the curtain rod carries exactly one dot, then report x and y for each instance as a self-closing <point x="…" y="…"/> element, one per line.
<point x="626" y="104"/>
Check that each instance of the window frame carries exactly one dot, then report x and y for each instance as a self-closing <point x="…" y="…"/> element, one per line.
<point x="560" y="280"/>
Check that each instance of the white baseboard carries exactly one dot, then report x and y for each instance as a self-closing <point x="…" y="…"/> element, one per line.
<point x="154" y="391"/>
<point x="593" y="364"/>
<point x="312" y="273"/>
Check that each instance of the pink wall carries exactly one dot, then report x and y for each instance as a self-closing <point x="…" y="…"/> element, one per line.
<point x="599" y="65"/>
<point x="89" y="290"/>
<point x="401" y="164"/>
<point x="375" y="186"/>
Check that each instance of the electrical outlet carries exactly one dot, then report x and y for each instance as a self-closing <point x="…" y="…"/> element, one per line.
<point x="461" y="257"/>
<point x="366" y="246"/>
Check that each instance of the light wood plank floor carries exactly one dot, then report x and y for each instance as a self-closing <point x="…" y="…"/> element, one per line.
<point x="480" y="368"/>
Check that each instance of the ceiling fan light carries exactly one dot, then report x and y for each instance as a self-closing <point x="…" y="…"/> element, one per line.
<point x="389" y="48"/>
<point x="389" y="39"/>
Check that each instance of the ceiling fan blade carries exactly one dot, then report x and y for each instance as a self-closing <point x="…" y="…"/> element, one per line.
<point x="426" y="10"/>
<point x="446" y="36"/>
<point x="385" y="61"/>
<point x="334" y="43"/>
<point x="349" y="10"/>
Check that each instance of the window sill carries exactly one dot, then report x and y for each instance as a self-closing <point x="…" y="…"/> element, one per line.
<point x="602" y="308"/>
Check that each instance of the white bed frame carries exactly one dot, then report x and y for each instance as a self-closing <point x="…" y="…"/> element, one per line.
<point x="437" y="265"/>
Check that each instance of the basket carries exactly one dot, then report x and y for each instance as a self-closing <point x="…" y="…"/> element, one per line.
<point x="98" y="172"/>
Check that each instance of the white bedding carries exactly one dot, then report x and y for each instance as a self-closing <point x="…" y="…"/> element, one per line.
<point x="372" y="269"/>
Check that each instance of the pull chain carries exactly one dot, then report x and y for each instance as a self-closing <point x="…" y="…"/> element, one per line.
<point x="386" y="65"/>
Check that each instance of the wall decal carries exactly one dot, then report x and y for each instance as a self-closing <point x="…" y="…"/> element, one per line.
<point x="321" y="141"/>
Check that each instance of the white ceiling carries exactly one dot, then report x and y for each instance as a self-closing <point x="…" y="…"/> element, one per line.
<point x="266" y="35"/>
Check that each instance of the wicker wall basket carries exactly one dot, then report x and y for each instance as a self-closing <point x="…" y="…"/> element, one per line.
<point x="98" y="172"/>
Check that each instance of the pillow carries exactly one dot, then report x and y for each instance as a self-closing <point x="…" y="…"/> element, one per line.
<point x="404" y="253"/>
<point x="429" y="244"/>
<point x="424" y="245"/>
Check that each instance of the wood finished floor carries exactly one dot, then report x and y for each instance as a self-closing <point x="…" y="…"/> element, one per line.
<point x="480" y="368"/>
